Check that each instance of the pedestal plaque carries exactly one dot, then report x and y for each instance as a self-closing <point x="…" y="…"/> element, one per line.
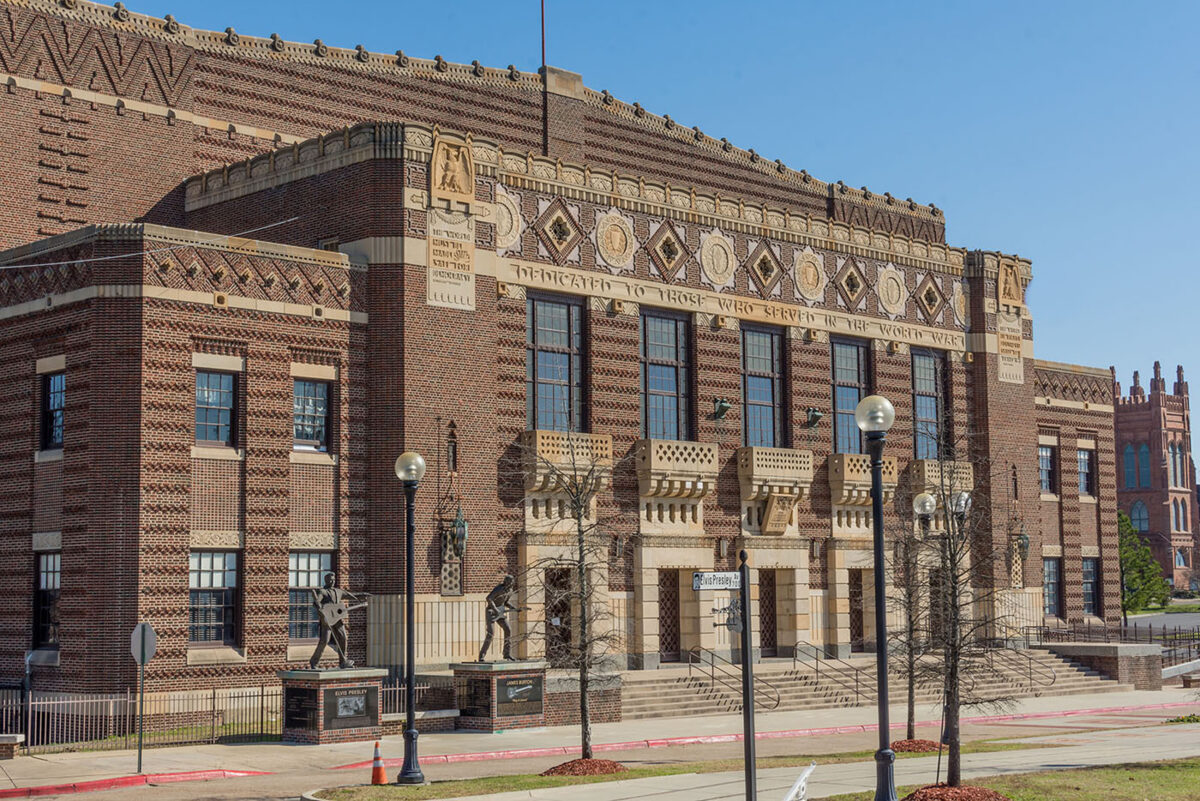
<point x="495" y="696"/>
<point x="331" y="706"/>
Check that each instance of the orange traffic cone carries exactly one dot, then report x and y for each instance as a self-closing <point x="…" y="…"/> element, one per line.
<point x="378" y="774"/>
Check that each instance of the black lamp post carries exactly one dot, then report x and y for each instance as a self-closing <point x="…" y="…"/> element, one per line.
<point x="875" y="415"/>
<point x="410" y="467"/>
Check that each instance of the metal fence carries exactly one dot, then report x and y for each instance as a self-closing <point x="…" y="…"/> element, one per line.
<point x="1179" y="644"/>
<point x="433" y="693"/>
<point x="74" y="722"/>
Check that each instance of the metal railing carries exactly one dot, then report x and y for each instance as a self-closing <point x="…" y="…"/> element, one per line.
<point x="433" y="692"/>
<point x="90" y="722"/>
<point x="848" y="677"/>
<point x="1004" y="661"/>
<point x="1179" y="644"/>
<point x="727" y="674"/>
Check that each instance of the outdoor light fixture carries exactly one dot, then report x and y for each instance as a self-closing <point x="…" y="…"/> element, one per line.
<point x="459" y="533"/>
<point x="924" y="505"/>
<point x="814" y="416"/>
<point x="721" y="407"/>
<point x="410" y="467"/>
<point x="1023" y="543"/>
<point x="960" y="504"/>
<point x="874" y="416"/>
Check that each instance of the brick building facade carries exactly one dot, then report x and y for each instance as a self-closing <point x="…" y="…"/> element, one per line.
<point x="1156" y="479"/>
<point x="499" y="270"/>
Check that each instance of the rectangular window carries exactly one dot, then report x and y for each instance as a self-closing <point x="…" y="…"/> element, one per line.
<point x="215" y="394"/>
<point x="1091" y="586"/>
<point x="665" y="358"/>
<point x="1048" y="468"/>
<point x="1052" y="587"/>
<point x="53" y="403"/>
<point x="762" y="387"/>
<point x="45" y="600"/>
<point x="1087" y="472"/>
<point x="850" y="385"/>
<point x="928" y="378"/>
<point x="554" y="364"/>
<point x="306" y="571"/>
<point x="213" y="597"/>
<point x="310" y="415"/>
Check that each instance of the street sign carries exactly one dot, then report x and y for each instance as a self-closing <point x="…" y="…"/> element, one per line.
<point x="142" y="643"/>
<point x="716" y="581"/>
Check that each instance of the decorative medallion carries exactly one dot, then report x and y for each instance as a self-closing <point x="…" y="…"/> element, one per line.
<point x="810" y="275"/>
<point x="667" y="251"/>
<point x="959" y="304"/>
<point x="615" y="240"/>
<point x="764" y="268"/>
<point x="508" y="221"/>
<point x="893" y="295"/>
<point x="717" y="260"/>
<point x="930" y="298"/>
<point x="851" y="284"/>
<point x="558" y="231"/>
<point x="452" y="173"/>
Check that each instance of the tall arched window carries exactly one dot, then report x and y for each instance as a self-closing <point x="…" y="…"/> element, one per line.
<point x="1130" y="468"/>
<point x="1183" y="516"/>
<point x="1174" y="515"/>
<point x="1139" y="516"/>
<point x="1171" y="465"/>
<point x="1144" y="465"/>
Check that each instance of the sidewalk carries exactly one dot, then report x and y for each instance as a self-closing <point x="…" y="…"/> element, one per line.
<point x="1097" y="748"/>
<point x="51" y="769"/>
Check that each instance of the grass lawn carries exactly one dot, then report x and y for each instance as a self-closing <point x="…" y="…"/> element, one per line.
<point x="1176" y="780"/>
<point x="504" y="784"/>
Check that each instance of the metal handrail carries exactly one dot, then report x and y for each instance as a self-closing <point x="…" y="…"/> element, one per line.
<point x="1036" y="672"/>
<point x="1179" y="644"/>
<point x="856" y="685"/>
<point x="720" y="672"/>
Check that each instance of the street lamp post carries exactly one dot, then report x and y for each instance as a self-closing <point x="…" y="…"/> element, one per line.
<point x="410" y="467"/>
<point x="874" y="416"/>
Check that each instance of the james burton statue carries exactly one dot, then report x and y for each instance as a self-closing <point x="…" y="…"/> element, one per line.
<point x="498" y="607"/>
<point x="333" y="613"/>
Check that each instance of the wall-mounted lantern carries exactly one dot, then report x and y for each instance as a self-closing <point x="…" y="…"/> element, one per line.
<point x="721" y="407"/>
<point x="814" y="416"/>
<point x="458" y="533"/>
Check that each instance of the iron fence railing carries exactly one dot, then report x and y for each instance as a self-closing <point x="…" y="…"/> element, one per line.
<point x="100" y="722"/>
<point x="1179" y="643"/>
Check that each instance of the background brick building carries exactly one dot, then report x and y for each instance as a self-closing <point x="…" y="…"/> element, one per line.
<point x="1157" y="477"/>
<point x="199" y="423"/>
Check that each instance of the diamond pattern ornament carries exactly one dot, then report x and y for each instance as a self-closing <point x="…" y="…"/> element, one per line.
<point x="764" y="268"/>
<point x="558" y="231"/>
<point x="930" y="298"/>
<point x="667" y="251"/>
<point x="851" y="284"/>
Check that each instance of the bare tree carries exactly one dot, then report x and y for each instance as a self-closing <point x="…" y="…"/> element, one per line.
<point x="568" y="550"/>
<point x="910" y="598"/>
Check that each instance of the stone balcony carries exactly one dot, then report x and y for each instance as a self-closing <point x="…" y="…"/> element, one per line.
<point x="850" y="479"/>
<point x="674" y="478"/>
<point x="941" y="478"/>
<point x="772" y="481"/>
<point x="562" y="469"/>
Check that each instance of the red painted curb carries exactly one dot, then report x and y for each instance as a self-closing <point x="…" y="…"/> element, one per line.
<point x="97" y="785"/>
<point x="709" y="739"/>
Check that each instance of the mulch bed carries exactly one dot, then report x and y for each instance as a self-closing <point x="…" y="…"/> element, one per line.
<point x="914" y="746"/>
<point x="586" y="767"/>
<point x="940" y="792"/>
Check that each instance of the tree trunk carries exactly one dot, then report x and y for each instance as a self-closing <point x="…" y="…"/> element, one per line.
<point x="585" y="646"/>
<point x="953" y="675"/>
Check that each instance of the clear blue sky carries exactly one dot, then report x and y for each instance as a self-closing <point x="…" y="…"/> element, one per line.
<point x="1067" y="132"/>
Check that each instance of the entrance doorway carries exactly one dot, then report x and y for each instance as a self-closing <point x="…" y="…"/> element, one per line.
<point x="668" y="616"/>
<point x="856" y="612"/>
<point x="558" y="618"/>
<point x="768" y="635"/>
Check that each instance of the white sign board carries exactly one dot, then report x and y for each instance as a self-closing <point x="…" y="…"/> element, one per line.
<point x="716" y="581"/>
<point x="142" y="643"/>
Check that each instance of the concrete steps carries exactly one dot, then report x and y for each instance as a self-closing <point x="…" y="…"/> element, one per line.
<point x="671" y="692"/>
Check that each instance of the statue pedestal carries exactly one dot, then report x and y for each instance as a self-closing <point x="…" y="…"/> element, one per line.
<point x="496" y="696"/>
<point x="331" y="706"/>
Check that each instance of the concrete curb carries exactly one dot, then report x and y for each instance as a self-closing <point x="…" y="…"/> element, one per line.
<point x="97" y="785"/>
<point x="709" y="739"/>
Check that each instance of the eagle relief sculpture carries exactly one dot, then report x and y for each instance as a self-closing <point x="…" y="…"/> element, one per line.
<point x="453" y="172"/>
